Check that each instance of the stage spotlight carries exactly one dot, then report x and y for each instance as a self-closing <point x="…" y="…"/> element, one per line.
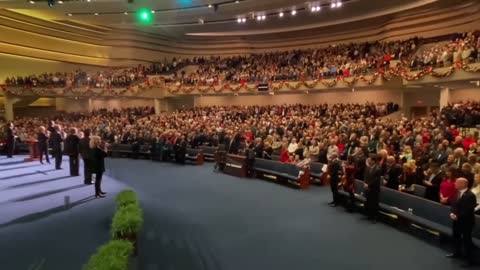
<point x="51" y="3"/>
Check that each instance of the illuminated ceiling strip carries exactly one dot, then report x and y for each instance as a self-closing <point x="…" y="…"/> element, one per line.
<point x="219" y="4"/>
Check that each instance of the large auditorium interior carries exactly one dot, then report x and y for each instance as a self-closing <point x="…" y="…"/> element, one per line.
<point x="239" y="134"/>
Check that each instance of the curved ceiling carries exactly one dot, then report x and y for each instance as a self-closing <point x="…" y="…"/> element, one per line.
<point x="213" y="18"/>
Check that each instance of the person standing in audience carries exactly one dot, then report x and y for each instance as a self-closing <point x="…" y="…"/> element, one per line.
<point x="72" y="150"/>
<point x="56" y="141"/>
<point x="476" y="191"/>
<point x="447" y="187"/>
<point x="372" y="187"/>
<point x="335" y="172"/>
<point x="84" y="149"/>
<point x="98" y="153"/>
<point x="393" y="173"/>
<point x="432" y="182"/>
<point x="348" y="183"/>
<point x="43" y="144"/>
<point x="10" y="143"/>
<point x="466" y="172"/>
<point x="463" y="217"/>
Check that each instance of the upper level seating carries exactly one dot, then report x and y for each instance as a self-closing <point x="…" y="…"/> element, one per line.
<point x="334" y="60"/>
<point x="463" y="114"/>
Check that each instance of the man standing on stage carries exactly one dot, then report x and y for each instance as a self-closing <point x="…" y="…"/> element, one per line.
<point x="10" y="146"/>
<point x="463" y="216"/>
<point x="56" y="140"/>
<point x="71" y="149"/>
<point x="84" y="148"/>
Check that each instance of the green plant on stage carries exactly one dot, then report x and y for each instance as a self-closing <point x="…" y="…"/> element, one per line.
<point x="125" y="198"/>
<point x="127" y="221"/>
<point x="112" y="256"/>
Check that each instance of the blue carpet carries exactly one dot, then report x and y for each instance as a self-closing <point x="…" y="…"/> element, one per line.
<point x="194" y="219"/>
<point x="198" y="219"/>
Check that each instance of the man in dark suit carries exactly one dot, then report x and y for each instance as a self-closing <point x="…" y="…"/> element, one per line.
<point x="43" y="144"/>
<point x="336" y="171"/>
<point x="372" y="184"/>
<point x="393" y="173"/>
<point x="10" y="145"/>
<point x="56" y="141"/>
<point x="432" y="182"/>
<point x="84" y="148"/>
<point x="463" y="216"/>
<point x="71" y="149"/>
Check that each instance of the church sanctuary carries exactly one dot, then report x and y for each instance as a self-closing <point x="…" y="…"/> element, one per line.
<point x="239" y="134"/>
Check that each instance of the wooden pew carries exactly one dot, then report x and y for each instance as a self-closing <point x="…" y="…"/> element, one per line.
<point x="282" y="172"/>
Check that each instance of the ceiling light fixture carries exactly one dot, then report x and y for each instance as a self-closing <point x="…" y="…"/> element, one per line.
<point x="239" y="20"/>
<point x="60" y="2"/>
<point x="31" y="2"/>
<point x="294" y="12"/>
<point x="280" y="14"/>
<point x="339" y="3"/>
<point x="69" y="15"/>
<point x="236" y="2"/>
<point x="125" y="13"/>
<point x="210" y="6"/>
<point x="333" y="5"/>
<point x="244" y="20"/>
<point x="96" y="13"/>
<point x="153" y="11"/>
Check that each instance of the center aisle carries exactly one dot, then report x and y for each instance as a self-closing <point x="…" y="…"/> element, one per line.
<point x="198" y="219"/>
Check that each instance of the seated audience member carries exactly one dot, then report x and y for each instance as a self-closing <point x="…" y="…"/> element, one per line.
<point x="292" y="147"/>
<point x="305" y="163"/>
<point x="407" y="154"/>
<point x="284" y="154"/>
<point x="450" y="163"/>
<point x="447" y="186"/>
<point x="433" y="179"/>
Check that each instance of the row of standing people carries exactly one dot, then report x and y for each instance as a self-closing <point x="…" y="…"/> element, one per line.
<point x="463" y="206"/>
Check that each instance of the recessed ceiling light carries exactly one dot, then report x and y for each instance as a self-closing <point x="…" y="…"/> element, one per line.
<point x="264" y="17"/>
<point x="70" y="14"/>
<point x="339" y="3"/>
<point x="294" y="12"/>
<point x="96" y="14"/>
<point x="210" y="6"/>
<point x="236" y="2"/>
<point x="153" y="11"/>
<point x="239" y="20"/>
<point x="31" y="2"/>
<point x="126" y="13"/>
<point x="333" y="5"/>
<point x="280" y="14"/>
<point x="244" y="20"/>
<point x="60" y="2"/>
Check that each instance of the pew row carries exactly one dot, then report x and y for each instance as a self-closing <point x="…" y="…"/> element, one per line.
<point x="281" y="172"/>
<point x="421" y="213"/>
<point x="193" y="156"/>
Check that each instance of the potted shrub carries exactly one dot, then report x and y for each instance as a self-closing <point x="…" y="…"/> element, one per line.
<point x="126" y="197"/>
<point x="126" y="224"/>
<point x="112" y="256"/>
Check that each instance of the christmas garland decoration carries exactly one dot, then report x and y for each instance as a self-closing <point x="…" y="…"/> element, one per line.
<point x="177" y="87"/>
<point x="310" y="84"/>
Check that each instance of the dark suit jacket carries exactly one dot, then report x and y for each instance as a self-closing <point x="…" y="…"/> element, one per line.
<point x="433" y="192"/>
<point x="97" y="159"/>
<point x="56" y="141"/>
<point x="392" y="176"/>
<point x="71" y="145"/>
<point x="10" y="135"/>
<point x="84" y="147"/>
<point x="372" y="177"/>
<point x="464" y="208"/>
<point x="335" y="170"/>
<point x="42" y="140"/>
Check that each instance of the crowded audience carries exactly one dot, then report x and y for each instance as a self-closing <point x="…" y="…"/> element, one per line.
<point x="305" y="64"/>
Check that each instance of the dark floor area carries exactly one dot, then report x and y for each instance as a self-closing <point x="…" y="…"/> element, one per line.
<point x="195" y="219"/>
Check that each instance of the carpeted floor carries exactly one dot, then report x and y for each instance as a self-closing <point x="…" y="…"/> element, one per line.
<point x="194" y="219"/>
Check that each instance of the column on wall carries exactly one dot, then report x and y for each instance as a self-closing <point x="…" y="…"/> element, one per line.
<point x="160" y="106"/>
<point x="444" y="97"/>
<point x="9" y="101"/>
